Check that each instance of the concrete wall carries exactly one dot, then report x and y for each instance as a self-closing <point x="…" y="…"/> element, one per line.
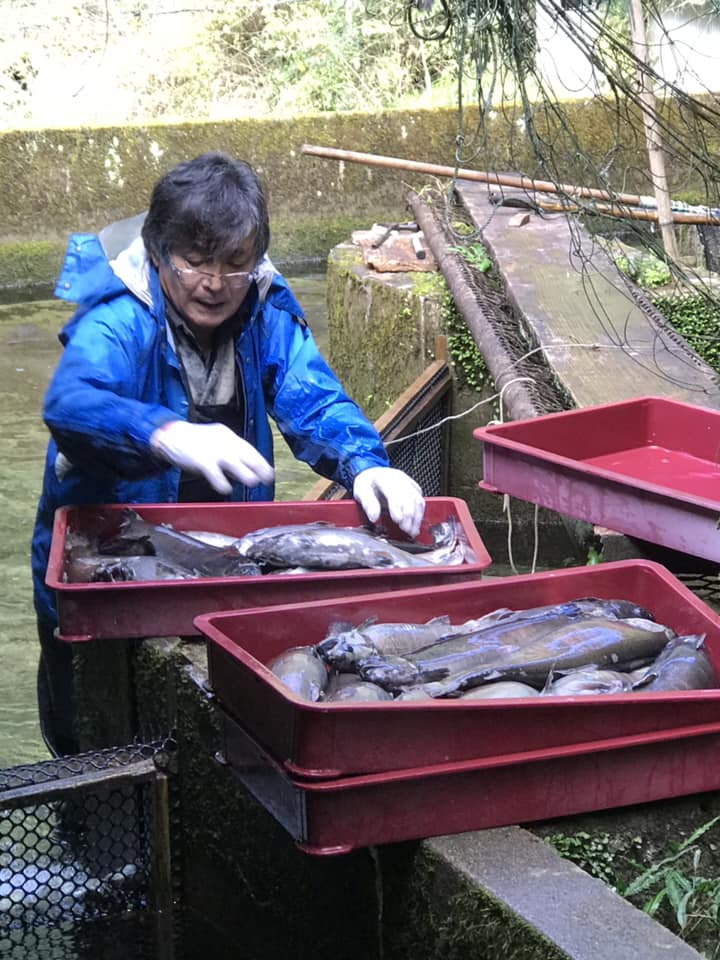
<point x="56" y="181"/>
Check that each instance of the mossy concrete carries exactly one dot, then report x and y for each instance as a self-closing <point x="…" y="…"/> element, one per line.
<point x="56" y="181"/>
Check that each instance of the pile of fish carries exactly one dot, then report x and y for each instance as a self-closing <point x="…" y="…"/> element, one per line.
<point x="579" y="647"/>
<point x="140" y="550"/>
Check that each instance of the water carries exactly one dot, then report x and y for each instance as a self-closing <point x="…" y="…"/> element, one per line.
<point x="29" y="350"/>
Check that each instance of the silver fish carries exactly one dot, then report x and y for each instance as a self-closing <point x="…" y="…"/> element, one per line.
<point x="596" y="641"/>
<point x="345" y="645"/>
<point x="212" y="538"/>
<point x="137" y="536"/>
<point x="100" y="569"/>
<point x="344" y="687"/>
<point x="464" y="651"/>
<point x="302" y="671"/>
<point x="682" y="665"/>
<point x="324" y="546"/>
<point x="587" y="680"/>
<point x="503" y="689"/>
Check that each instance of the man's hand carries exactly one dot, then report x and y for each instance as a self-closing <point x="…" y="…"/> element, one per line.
<point x="213" y="450"/>
<point x="385" y="487"/>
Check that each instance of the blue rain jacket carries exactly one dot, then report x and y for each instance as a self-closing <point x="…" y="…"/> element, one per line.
<point x="118" y="380"/>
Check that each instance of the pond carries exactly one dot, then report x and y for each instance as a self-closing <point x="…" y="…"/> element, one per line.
<point x="29" y="350"/>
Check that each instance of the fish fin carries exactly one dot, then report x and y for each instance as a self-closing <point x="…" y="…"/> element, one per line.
<point x="696" y="640"/>
<point x="339" y="626"/>
<point x="442" y="618"/>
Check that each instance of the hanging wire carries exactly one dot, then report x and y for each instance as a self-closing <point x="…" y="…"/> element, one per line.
<point x="498" y="60"/>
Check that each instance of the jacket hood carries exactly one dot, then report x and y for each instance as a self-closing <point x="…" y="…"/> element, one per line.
<point x="99" y="267"/>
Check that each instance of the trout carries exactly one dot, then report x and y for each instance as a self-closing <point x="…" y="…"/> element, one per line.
<point x="603" y="643"/>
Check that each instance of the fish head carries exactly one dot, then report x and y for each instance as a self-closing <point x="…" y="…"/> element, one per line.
<point x="390" y="673"/>
<point x="343" y="650"/>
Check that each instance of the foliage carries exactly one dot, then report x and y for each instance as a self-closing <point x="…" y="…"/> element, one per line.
<point x="87" y="62"/>
<point x="697" y="319"/>
<point x="676" y="881"/>
<point x="475" y="254"/>
<point x="594" y="854"/>
<point x="465" y="354"/>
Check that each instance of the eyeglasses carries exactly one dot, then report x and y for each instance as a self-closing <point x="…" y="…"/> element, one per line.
<point x="190" y="276"/>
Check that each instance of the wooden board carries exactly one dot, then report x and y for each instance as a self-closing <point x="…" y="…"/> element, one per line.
<point x="600" y="343"/>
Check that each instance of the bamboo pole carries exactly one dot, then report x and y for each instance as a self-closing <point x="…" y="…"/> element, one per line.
<point x="628" y="213"/>
<point x="655" y="149"/>
<point x="514" y="181"/>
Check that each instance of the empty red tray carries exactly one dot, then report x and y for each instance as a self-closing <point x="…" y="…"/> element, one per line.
<point x="167" y="608"/>
<point x="648" y="467"/>
<point x="336" y="816"/>
<point x="316" y="740"/>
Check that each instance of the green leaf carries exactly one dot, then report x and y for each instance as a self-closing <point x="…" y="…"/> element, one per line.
<point x="651" y="907"/>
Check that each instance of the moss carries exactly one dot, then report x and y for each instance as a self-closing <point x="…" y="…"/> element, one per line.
<point x="433" y="911"/>
<point x="29" y="262"/>
<point x="58" y="180"/>
<point x="381" y="319"/>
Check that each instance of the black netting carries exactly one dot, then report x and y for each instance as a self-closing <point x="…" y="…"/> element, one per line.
<point x="78" y="846"/>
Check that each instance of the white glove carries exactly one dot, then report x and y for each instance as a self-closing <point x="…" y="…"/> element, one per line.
<point x="213" y="450"/>
<point x="394" y="490"/>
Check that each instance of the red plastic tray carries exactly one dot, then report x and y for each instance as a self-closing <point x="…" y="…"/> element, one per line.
<point x="336" y="816"/>
<point x="315" y="740"/>
<point x="648" y="467"/>
<point x="166" y="608"/>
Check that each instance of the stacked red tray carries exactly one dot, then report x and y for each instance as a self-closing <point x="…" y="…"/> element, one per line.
<point x="343" y="775"/>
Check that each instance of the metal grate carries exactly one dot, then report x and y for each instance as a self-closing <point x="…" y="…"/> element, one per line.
<point x="421" y="454"/>
<point x="84" y="857"/>
<point x="414" y="432"/>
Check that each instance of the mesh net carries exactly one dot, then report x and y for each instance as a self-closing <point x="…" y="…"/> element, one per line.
<point x="77" y="848"/>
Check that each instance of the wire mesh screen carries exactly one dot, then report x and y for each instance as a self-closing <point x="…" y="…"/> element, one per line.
<point x="415" y="438"/>
<point x="80" y="839"/>
<point x="421" y="453"/>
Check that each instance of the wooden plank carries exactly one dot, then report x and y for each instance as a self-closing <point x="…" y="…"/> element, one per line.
<point x="601" y="345"/>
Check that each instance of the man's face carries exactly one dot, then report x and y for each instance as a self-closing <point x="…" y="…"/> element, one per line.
<point x="207" y="293"/>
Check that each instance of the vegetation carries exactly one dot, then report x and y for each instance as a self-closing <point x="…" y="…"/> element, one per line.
<point x="78" y="63"/>
<point x="697" y="319"/>
<point x="677" y="883"/>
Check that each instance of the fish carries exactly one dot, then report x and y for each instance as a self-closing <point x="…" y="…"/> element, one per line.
<point x="503" y="689"/>
<point x="587" y="680"/>
<point x="344" y="645"/>
<point x="302" y="671"/>
<point x="344" y="687"/>
<point x="347" y="648"/>
<point x="138" y="537"/>
<point x="499" y="638"/>
<point x="101" y="569"/>
<point x="682" y="665"/>
<point x="593" y="641"/>
<point x="213" y="538"/>
<point x="324" y="546"/>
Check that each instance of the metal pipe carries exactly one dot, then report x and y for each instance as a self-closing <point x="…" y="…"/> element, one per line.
<point x="516" y="396"/>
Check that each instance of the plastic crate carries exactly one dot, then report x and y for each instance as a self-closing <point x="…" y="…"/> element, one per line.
<point x="336" y="816"/>
<point x="648" y="467"/>
<point x="330" y="740"/>
<point x="164" y="608"/>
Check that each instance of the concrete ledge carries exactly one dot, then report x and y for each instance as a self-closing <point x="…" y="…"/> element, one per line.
<point x="579" y="915"/>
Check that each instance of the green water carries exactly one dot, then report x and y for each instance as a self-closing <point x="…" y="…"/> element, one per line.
<point x="28" y="353"/>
